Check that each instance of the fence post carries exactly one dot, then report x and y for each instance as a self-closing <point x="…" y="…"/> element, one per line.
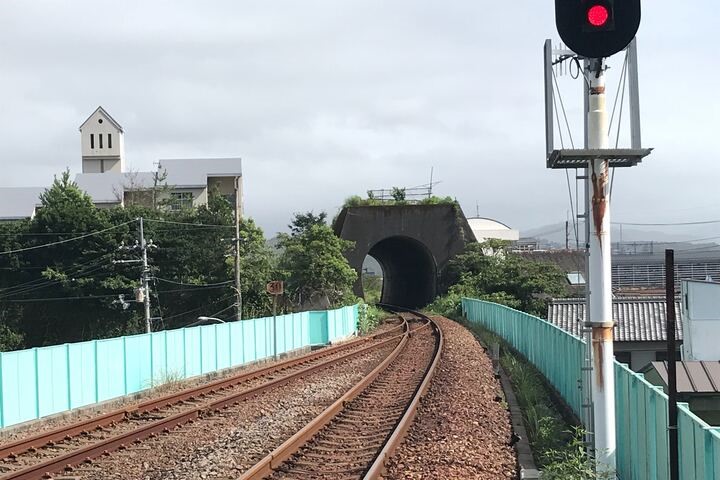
<point x="69" y="380"/>
<point x="2" y="404"/>
<point x="37" y="383"/>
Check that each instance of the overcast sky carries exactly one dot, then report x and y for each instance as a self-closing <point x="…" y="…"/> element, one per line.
<point x="325" y="99"/>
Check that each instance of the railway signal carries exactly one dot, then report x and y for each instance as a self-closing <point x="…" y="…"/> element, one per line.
<point x="597" y="28"/>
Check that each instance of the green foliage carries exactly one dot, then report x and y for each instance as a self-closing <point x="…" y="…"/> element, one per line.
<point x="398" y="194"/>
<point x="70" y="292"/>
<point x="399" y="199"/>
<point x="372" y="288"/>
<point x="488" y="271"/>
<point x="571" y="462"/>
<point x="369" y="317"/>
<point x="313" y="264"/>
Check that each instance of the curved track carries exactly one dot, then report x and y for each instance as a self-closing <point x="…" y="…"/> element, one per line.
<point x="62" y="448"/>
<point x="354" y="437"/>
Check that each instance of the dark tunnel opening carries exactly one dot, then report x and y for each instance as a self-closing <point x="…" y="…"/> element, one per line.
<point x="409" y="272"/>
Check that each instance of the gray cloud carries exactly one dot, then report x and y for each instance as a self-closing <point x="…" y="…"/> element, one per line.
<point x="324" y="99"/>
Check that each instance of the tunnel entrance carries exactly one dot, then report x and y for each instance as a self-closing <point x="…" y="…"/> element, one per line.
<point x="409" y="271"/>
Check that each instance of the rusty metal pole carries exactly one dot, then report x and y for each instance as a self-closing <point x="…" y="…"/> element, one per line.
<point x="671" y="349"/>
<point x="600" y="291"/>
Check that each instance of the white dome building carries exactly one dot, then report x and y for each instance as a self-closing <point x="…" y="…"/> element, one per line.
<point x="487" y="228"/>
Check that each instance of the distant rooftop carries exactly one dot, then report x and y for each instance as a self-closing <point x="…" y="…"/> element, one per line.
<point x="692" y="376"/>
<point x="19" y="202"/>
<point x="636" y="319"/>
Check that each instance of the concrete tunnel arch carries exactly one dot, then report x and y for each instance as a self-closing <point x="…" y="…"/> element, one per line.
<point x="409" y="271"/>
<point x="412" y="243"/>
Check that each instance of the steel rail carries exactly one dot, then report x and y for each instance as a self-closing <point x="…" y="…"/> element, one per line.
<point x="377" y="469"/>
<point x="277" y="457"/>
<point x="63" y="433"/>
<point x="105" y="446"/>
<point x="266" y="466"/>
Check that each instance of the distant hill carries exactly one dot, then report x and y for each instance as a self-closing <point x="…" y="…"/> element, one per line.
<point x="555" y="234"/>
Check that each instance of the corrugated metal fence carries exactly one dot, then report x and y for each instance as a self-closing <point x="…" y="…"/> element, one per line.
<point x="641" y="408"/>
<point x="42" y="381"/>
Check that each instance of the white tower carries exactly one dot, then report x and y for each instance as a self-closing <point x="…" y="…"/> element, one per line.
<point x="103" y="145"/>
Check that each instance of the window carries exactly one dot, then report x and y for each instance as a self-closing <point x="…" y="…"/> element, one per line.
<point x="181" y="200"/>
<point x="109" y="140"/>
<point x="100" y="139"/>
<point x="92" y="140"/>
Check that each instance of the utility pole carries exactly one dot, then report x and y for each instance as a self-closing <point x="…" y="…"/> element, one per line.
<point x="145" y="278"/>
<point x="238" y="216"/>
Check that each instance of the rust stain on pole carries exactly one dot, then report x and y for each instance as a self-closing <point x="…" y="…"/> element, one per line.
<point x="599" y="199"/>
<point x="600" y="335"/>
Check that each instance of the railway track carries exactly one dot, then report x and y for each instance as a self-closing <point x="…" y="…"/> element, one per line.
<point x="61" y="449"/>
<point x="354" y="437"/>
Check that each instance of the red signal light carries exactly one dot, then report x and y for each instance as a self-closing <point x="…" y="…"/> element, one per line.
<point x="598" y="15"/>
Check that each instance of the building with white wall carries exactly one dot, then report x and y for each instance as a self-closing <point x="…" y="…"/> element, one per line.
<point x="175" y="184"/>
<point x="487" y="229"/>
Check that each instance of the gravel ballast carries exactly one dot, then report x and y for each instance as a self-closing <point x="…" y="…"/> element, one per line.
<point x="461" y="430"/>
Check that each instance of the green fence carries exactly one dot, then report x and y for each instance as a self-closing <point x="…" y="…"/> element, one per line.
<point x="42" y="381"/>
<point x="556" y="354"/>
<point x="641" y="408"/>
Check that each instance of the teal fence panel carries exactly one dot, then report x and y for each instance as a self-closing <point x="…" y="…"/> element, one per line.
<point x="138" y="363"/>
<point x="223" y="340"/>
<point x="557" y="354"/>
<point x="318" y="325"/>
<point x="208" y="347"/>
<point x="19" y="368"/>
<point x="53" y="379"/>
<point x="640" y="407"/>
<point x="249" y="350"/>
<point x="110" y="361"/>
<point x="43" y="381"/>
<point x="82" y="368"/>
<point x="193" y="351"/>
<point x="175" y="365"/>
<point x="159" y="356"/>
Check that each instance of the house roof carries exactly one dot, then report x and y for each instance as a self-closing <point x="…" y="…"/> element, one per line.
<point x="106" y="115"/>
<point x="692" y="376"/>
<point x="194" y="172"/>
<point x="109" y="187"/>
<point x="19" y="202"/>
<point x="636" y="319"/>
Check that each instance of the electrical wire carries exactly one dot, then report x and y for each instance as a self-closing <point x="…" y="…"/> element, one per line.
<point x="74" y="270"/>
<point x="195" y="284"/>
<point x="199" y="225"/>
<point x="227" y="297"/>
<point x="45" y="245"/>
<point x="668" y="224"/>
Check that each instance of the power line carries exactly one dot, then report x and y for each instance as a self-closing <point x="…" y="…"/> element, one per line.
<point x="195" y="284"/>
<point x="74" y="270"/>
<point x="66" y="240"/>
<point x="199" y="225"/>
<point x="668" y="224"/>
<point x="53" y="299"/>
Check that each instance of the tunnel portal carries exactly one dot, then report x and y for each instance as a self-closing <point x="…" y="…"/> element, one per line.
<point x="412" y="244"/>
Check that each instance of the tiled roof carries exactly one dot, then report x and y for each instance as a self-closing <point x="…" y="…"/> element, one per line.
<point x="692" y="376"/>
<point x="636" y="319"/>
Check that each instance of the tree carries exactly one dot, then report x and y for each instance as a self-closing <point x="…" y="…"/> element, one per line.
<point x="489" y="272"/>
<point x="303" y="221"/>
<point x="312" y="262"/>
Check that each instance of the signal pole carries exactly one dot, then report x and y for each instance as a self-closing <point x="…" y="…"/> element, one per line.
<point x="600" y="272"/>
